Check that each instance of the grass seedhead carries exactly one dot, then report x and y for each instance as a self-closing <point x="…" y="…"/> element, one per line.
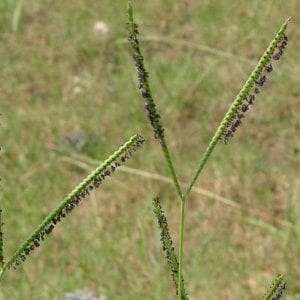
<point x="1" y="243"/>
<point x="92" y="181"/>
<point x="145" y="91"/>
<point x="167" y="244"/>
<point x="256" y="81"/>
<point x="142" y="74"/>
<point x="245" y="98"/>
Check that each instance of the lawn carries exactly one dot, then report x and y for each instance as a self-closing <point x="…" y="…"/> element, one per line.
<point x="69" y="99"/>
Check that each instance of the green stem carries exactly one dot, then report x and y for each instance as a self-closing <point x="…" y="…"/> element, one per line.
<point x="202" y="163"/>
<point x="204" y="160"/>
<point x="170" y="165"/>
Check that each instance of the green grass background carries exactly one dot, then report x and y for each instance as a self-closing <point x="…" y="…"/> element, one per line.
<point x="198" y="54"/>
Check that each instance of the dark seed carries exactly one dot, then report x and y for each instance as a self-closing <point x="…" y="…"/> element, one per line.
<point x="269" y="68"/>
<point x="276" y="56"/>
<point x="245" y="107"/>
<point x="36" y="243"/>
<point x="49" y="229"/>
<point x="251" y="97"/>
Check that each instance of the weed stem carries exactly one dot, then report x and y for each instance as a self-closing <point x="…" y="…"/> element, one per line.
<point x="170" y="165"/>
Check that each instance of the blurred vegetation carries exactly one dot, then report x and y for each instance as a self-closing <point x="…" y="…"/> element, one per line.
<point x="68" y="98"/>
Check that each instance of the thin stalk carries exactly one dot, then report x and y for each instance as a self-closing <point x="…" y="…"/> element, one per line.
<point x="204" y="160"/>
<point x="170" y="165"/>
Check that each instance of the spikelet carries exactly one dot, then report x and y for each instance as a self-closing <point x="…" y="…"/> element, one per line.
<point x="1" y="242"/>
<point x="92" y="181"/>
<point x="253" y="86"/>
<point x="168" y="245"/>
<point x="275" y="291"/>
<point x="279" y="291"/>
<point x="142" y="74"/>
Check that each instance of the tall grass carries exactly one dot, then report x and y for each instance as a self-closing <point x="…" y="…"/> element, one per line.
<point x="231" y="121"/>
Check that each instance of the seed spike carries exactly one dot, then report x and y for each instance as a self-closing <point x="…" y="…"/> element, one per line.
<point x="1" y="241"/>
<point x="72" y="200"/>
<point x="167" y="245"/>
<point x="275" y="290"/>
<point x="255" y="82"/>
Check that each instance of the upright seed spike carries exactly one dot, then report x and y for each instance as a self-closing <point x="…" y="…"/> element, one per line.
<point x="1" y="242"/>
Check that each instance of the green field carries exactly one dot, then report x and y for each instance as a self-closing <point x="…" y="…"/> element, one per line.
<point x="69" y="99"/>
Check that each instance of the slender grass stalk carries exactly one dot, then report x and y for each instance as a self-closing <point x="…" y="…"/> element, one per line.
<point x="275" y="291"/>
<point x="167" y="244"/>
<point x="145" y="90"/>
<point x="93" y="180"/>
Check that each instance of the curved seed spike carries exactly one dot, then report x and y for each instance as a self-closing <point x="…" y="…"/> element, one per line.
<point x="60" y="211"/>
